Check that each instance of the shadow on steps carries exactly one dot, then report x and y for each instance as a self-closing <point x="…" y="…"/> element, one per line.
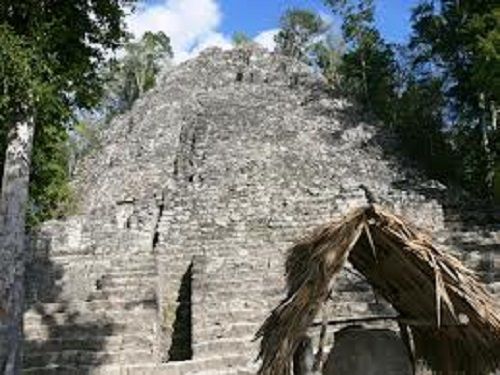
<point x="60" y="337"/>
<point x="181" y="348"/>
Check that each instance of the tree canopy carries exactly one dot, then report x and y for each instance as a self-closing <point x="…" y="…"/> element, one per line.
<point x="52" y="53"/>
<point x="128" y="77"/>
<point x="459" y="43"/>
<point x="240" y="38"/>
<point x="298" y="30"/>
<point x="439" y="92"/>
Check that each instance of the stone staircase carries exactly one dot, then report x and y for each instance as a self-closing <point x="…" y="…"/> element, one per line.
<point x="231" y="297"/>
<point x="114" y="324"/>
<point x="114" y="330"/>
<point x="475" y="231"/>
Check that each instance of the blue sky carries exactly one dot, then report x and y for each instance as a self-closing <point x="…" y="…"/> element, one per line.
<point x="197" y="24"/>
<point x="254" y="16"/>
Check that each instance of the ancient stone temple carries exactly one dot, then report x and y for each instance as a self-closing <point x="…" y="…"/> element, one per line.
<point x="176" y="254"/>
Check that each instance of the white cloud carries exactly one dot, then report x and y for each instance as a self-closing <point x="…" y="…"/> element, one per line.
<point x="213" y="39"/>
<point x="191" y="25"/>
<point x="266" y="39"/>
<point x="327" y="18"/>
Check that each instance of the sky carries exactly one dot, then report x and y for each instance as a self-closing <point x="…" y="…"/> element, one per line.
<point x="194" y="25"/>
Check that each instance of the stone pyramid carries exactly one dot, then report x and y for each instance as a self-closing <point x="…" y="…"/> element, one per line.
<point x="187" y="207"/>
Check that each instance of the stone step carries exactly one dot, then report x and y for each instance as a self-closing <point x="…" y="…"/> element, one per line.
<point x="73" y="331"/>
<point x="114" y="259"/>
<point x="81" y="307"/>
<point x="228" y="260"/>
<point x="213" y="305"/>
<point x="253" y="277"/>
<point x="243" y="371"/>
<point x="218" y="364"/>
<point x="121" y="260"/>
<point x="132" y="270"/>
<point x="252" y="295"/>
<point x="237" y="282"/>
<point x="235" y="330"/>
<point x="226" y="316"/>
<point x="123" y="293"/>
<point x="86" y="358"/>
<point x="241" y="345"/>
<point x="117" y="286"/>
<point x="218" y="292"/>
<point x="135" y="267"/>
<point x="86" y="316"/>
<point x="90" y="343"/>
<point x="112" y="322"/>
<point x="147" y="274"/>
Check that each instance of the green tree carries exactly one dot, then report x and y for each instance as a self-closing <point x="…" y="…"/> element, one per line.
<point x="462" y="40"/>
<point x="71" y="40"/>
<point x="327" y="56"/>
<point x="298" y="30"/>
<point x="459" y="41"/>
<point x="50" y="58"/>
<point x="381" y="77"/>
<point x="368" y="67"/>
<point x="136" y="72"/>
<point x="419" y="123"/>
<point x="125" y="80"/>
<point x="20" y="67"/>
<point x="240" y="38"/>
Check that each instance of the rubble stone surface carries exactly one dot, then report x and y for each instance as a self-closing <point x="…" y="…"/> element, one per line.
<point x="188" y="207"/>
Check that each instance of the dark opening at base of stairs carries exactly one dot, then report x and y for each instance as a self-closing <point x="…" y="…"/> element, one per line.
<point x="181" y="348"/>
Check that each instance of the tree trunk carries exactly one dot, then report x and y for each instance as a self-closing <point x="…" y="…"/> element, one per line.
<point x="13" y="203"/>
<point x="365" y="80"/>
<point x="496" y="152"/>
<point x="494" y="116"/>
<point x="484" y="123"/>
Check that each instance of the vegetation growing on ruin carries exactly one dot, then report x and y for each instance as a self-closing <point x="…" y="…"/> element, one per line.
<point x="439" y="91"/>
<point x="51" y="58"/>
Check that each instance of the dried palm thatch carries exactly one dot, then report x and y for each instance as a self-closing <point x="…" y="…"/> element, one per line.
<point x="454" y="321"/>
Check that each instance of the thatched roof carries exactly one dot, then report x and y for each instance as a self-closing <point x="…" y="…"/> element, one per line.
<point x="454" y="316"/>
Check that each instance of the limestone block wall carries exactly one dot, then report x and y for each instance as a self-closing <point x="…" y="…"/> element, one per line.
<point x="188" y="207"/>
<point x="251" y="177"/>
<point x="91" y="292"/>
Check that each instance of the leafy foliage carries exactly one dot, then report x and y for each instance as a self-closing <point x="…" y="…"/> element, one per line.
<point x="299" y="28"/>
<point x="50" y="193"/>
<point x="17" y="81"/>
<point x="135" y="73"/>
<point x="440" y="92"/>
<point x="460" y="42"/>
<point x="51" y="53"/>
<point x="418" y="121"/>
<point x="240" y="38"/>
<point x="327" y="55"/>
<point x="368" y="67"/>
<point x="126" y="79"/>
<point x="461" y="39"/>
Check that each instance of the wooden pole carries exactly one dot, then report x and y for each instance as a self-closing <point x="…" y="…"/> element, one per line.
<point x="409" y="322"/>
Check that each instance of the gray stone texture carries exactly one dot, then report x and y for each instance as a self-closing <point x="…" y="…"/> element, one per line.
<point x="187" y="210"/>
<point x="360" y="351"/>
